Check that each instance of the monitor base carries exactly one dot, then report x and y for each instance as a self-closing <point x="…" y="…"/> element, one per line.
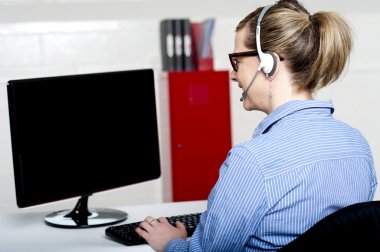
<point x="82" y="217"/>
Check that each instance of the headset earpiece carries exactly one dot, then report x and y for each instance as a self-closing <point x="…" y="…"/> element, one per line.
<point x="274" y="64"/>
<point x="268" y="63"/>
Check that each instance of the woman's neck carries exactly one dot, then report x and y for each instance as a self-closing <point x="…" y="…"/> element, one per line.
<point x="284" y="92"/>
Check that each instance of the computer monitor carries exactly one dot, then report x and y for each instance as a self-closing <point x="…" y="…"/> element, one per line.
<point x="73" y="136"/>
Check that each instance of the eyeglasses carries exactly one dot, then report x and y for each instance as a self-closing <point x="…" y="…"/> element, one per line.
<point x="234" y="58"/>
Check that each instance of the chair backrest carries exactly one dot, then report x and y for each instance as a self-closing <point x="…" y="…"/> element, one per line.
<point x="353" y="228"/>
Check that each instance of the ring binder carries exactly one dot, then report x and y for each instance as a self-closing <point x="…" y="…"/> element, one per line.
<point x="167" y="45"/>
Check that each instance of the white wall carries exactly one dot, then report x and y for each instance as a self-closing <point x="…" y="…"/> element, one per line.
<point x="46" y="37"/>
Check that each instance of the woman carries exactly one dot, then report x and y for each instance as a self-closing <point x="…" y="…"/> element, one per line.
<point x="301" y="164"/>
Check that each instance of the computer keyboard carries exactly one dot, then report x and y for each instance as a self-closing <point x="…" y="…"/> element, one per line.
<point x="126" y="234"/>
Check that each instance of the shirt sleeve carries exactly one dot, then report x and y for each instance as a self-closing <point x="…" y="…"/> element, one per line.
<point x="177" y="245"/>
<point x="236" y="205"/>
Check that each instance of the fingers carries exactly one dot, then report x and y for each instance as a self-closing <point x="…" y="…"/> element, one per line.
<point x="146" y="226"/>
<point x="180" y="225"/>
<point x="148" y="223"/>
<point x="163" y="220"/>
<point x="141" y="232"/>
<point x="158" y="232"/>
<point x="149" y="219"/>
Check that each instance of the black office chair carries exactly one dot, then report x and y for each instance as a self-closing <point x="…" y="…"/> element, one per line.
<point x="353" y="228"/>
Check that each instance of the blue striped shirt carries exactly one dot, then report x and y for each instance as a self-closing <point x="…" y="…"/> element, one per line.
<point x="300" y="165"/>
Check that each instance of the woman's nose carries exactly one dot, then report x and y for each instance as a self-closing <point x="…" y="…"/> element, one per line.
<point x="233" y="75"/>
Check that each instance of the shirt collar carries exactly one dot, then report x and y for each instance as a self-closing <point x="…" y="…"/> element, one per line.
<point x="290" y="108"/>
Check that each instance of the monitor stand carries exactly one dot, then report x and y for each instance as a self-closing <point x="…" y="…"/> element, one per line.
<point x="82" y="217"/>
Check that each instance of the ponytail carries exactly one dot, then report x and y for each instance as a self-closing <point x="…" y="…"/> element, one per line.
<point x="335" y="44"/>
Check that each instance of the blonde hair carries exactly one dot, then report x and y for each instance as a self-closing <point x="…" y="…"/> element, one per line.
<point x="316" y="47"/>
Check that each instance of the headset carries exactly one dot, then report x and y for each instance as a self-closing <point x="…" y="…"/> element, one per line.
<point x="268" y="61"/>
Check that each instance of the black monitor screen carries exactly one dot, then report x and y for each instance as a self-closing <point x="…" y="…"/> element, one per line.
<point x="80" y="134"/>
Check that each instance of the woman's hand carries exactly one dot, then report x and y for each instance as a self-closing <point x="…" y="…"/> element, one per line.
<point x="158" y="232"/>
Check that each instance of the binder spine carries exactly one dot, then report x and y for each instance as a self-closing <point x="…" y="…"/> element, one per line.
<point x="167" y="45"/>
<point x="188" y="64"/>
<point x="178" y="45"/>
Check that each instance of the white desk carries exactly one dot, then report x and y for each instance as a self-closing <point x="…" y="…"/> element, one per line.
<point x="27" y="232"/>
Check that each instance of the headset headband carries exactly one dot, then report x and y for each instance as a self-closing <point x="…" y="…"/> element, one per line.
<point x="267" y="60"/>
<point x="262" y="14"/>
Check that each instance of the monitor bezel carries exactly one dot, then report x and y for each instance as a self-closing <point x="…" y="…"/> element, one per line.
<point x="21" y="202"/>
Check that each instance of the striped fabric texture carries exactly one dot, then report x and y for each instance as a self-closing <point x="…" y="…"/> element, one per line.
<point x="300" y="165"/>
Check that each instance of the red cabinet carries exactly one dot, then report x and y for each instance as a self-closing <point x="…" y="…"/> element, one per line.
<point x="200" y="129"/>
